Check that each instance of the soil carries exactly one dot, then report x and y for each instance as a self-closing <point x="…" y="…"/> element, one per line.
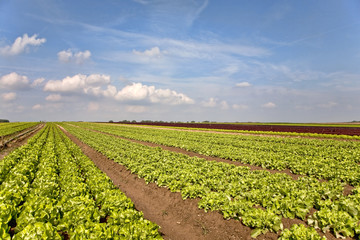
<point x="18" y="142"/>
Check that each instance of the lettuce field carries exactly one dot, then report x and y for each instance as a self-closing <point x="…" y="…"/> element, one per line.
<point x="156" y="183"/>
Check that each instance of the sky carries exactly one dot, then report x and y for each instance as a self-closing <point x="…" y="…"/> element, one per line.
<point x="180" y="60"/>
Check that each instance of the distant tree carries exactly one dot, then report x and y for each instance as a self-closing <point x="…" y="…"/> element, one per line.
<point x="192" y="121"/>
<point x="111" y="121"/>
<point x="4" y="120"/>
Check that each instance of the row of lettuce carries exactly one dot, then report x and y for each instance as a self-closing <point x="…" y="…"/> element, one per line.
<point x="50" y="190"/>
<point x="322" y="159"/>
<point x="10" y="128"/>
<point x="259" y="199"/>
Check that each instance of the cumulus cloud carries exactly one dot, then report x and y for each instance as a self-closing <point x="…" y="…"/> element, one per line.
<point x="7" y="97"/>
<point x="21" y="44"/>
<point x="53" y="97"/>
<point x="79" y="57"/>
<point x="243" y="84"/>
<point x="37" y="82"/>
<point x="212" y="102"/>
<point x="99" y="86"/>
<point x="79" y="83"/>
<point x="153" y="52"/>
<point x="269" y="105"/>
<point x="14" y="81"/>
<point x="65" y="56"/>
<point x="140" y="92"/>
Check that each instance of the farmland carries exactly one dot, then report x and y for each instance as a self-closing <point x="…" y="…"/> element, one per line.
<point x="50" y="190"/>
<point x="337" y="129"/>
<point x="11" y="131"/>
<point x="268" y="187"/>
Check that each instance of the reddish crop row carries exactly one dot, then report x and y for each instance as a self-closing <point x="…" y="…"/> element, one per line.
<point x="352" y="131"/>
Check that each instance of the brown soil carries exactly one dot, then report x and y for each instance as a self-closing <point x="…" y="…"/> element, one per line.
<point x="179" y="219"/>
<point x="18" y="142"/>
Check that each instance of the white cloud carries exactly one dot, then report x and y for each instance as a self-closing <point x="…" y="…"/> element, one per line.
<point x="140" y="92"/>
<point x="7" y="97"/>
<point x="109" y="92"/>
<point x="99" y="86"/>
<point x="37" y="107"/>
<point x="78" y="83"/>
<point x="37" y="82"/>
<point x="153" y="52"/>
<point x="65" y="56"/>
<point x="243" y="84"/>
<point x="79" y="57"/>
<point x="239" y="106"/>
<point x="269" y="105"/>
<point x="21" y="44"/>
<point x="212" y="102"/>
<point x="14" y="81"/>
<point x="53" y="97"/>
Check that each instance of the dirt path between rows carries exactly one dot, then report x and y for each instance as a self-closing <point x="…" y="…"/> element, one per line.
<point x="179" y="219"/>
<point x="18" y="142"/>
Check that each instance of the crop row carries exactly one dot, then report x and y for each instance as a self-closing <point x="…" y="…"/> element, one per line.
<point x="54" y="191"/>
<point x="253" y="130"/>
<point x="321" y="129"/>
<point x="323" y="159"/>
<point x="258" y="198"/>
<point x="10" y="128"/>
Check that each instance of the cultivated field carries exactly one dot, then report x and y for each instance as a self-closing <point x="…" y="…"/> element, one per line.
<point x="115" y="181"/>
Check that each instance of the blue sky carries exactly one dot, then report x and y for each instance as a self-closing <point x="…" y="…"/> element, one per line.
<point x="180" y="60"/>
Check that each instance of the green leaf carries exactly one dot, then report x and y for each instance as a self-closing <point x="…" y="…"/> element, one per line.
<point x="257" y="231"/>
